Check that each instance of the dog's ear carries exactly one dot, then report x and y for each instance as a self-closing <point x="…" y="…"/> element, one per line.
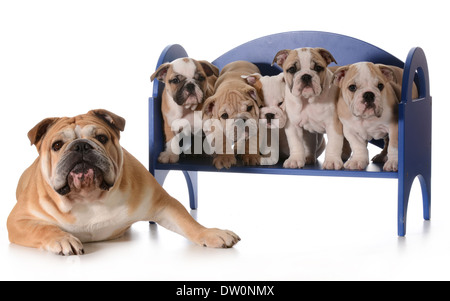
<point x="253" y="93"/>
<point x="388" y="73"/>
<point x="160" y="73"/>
<point x="114" y="121"/>
<point x="39" y="130"/>
<point x="252" y="78"/>
<point x="280" y="57"/>
<point x="208" y="107"/>
<point x="339" y="74"/>
<point x="327" y="56"/>
<point x="209" y="68"/>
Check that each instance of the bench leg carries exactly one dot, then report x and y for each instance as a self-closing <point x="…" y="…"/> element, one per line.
<point x="192" y="183"/>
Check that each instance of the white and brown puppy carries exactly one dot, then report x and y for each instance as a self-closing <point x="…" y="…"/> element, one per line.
<point x="368" y="109"/>
<point x="85" y="187"/>
<point x="235" y="104"/>
<point x="310" y="104"/>
<point x="188" y="83"/>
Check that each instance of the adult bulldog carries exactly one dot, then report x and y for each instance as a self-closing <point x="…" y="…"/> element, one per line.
<point x="85" y="187"/>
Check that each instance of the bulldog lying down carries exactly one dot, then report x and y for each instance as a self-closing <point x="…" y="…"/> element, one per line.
<point x="85" y="187"/>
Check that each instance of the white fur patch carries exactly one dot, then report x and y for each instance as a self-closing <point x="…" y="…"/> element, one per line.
<point x="184" y="66"/>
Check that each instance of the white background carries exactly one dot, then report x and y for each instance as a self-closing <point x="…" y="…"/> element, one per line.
<point x="63" y="58"/>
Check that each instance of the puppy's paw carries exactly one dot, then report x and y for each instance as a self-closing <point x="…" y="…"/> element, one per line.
<point x="65" y="245"/>
<point x="168" y="157"/>
<point x="310" y="160"/>
<point x="380" y="158"/>
<point x="356" y="164"/>
<point x="391" y="165"/>
<point x="216" y="238"/>
<point x="333" y="163"/>
<point x="251" y="159"/>
<point x="224" y="161"/>
<point x="294" y="162"/>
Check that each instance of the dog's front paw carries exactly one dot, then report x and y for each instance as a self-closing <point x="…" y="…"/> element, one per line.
<point x="216" y="238"/>
<point x="391" y="165"/>
<point x="168" y="157"/>
<point x="251" y="159"/>
<point x="65" y="245"/>
<point x="333" y="163"/>
<point x="356" y="164"/>
<point x="294" y="162"/>
<point x="224" y="161"/>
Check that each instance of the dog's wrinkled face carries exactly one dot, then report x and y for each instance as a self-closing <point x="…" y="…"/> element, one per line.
<point x="271" y="90"/>
<point x="80" y="156"/>
<point x="363" y="87"/>
<point x="237" y="111"/>
<point x="304" y="70"/>
<point x="186" y="80"/>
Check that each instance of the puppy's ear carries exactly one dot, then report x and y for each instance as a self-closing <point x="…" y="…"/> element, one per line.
<point x="114" y="121"/>
<point x="339" y="74"/>
<point x="254" y="95"/>
<point x="208" y="107"/>
<point x="388" y="73"/>
<point x="39" y="130"/>
<point x="160" y="73"/>
<point x="328" y="57"/>
<point x="209" y="68"/>
<point x="280" y="57"/>
<point x="252" y="78"/>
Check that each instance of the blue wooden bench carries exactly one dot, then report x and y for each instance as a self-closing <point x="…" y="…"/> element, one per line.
<point x="414" y="115"/>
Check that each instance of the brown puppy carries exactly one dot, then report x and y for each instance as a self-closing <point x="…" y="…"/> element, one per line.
<point x="187" y="84"/>
<point x="235" y="105"/>
<point x="85" y="187"/>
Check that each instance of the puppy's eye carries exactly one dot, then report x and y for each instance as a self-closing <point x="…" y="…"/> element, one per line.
<point x="280" y="103"/>
<point x="103" y="139"/>
<point x="292" y="70"/>
<point x="380" y="86"/>
<point x="249" y="108"/>
<point x="174" y="80"/>
<point x="57" y="145"/>
<point x="201" y="78"/>
<point x="224" y="116"/>
<point x="352" y="88"/>
<point x="318" y="68"/>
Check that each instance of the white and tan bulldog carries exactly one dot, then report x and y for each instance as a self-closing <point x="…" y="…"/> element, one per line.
<point x="235" y="104"/>
<point x="85" y="187"/>
<point x="271" y="90"/>
<point x="368" y="109"/>
<point x="188" y="83"/>
<point x="310" y="104"/>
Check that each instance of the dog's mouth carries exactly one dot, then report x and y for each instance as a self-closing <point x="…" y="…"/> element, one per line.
<point x="84" y="176"/>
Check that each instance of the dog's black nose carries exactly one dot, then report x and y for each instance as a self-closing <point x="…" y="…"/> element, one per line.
<point x="81" y="147"/>
<point x="270" y="116"/>
<point x="369" y="97"/>
<point x="190" y="87"/>
<point x="306" y="78"/>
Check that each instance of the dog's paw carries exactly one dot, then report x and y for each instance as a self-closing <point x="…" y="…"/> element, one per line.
<point x="65" y="245"/>
<point x="251" y="159"/>
<point x="391" y="165"/>
<point x="168" y="157"/>
<point x="216" y="238"/>
<point x="333" y="163"/>
<point x="356" y="164"/>
<point x="224" y="161"/>
<point x="294" y="162"/>
<point x="380" y="158"/>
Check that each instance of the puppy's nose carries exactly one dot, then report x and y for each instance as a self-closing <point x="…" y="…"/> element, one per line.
<point x="369" y="97"/>
<point x="81" y="147"/>
<point x="270" y="116"/>
<point x="306" y="78"/>
<point x="190" y="87"/>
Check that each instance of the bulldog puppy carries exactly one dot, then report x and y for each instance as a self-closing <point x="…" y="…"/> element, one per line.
<point x="85" y="187"/>
<point x="310" y="104"/>
<point x="187" y="84"/>
<point x="368" y="109"/>
<point x="235" y="104"/>
<point x="271" y="90"/>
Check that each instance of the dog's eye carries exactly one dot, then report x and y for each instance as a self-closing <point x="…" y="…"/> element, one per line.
<point x="224" y="116"/>
<point x="280" y="103"/>
<point x="292" y="70"/>
<point x="103" y="139"/>
<point x="201" y="78"/>
<point x="57" y="145"/>
<point x="380" y="86"/>
<point x="318" y="68"/>
<point x="174" y="80"/>
<point x="352" y="88"/>
<point x="249" y="108"/>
